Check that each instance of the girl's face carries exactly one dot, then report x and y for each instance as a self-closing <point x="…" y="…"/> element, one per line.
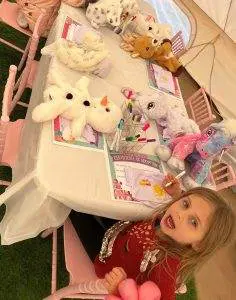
<point x="187" y="220"/>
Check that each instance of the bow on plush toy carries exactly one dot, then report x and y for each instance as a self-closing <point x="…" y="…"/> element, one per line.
<point x="129" y="290"/>
<point x="197" y="151"/>
<point x="154" y="105"/>
<point x="76" y="105"/>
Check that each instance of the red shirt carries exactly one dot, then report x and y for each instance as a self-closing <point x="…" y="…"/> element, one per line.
<point x="128" y="251"/>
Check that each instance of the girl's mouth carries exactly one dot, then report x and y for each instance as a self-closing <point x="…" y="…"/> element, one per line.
<point x="169" y="222"/>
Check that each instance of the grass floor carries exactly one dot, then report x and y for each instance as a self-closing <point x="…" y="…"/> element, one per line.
<point x="25" y="267"/>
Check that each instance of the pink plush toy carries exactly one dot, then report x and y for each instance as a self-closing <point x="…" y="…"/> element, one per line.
<point x="29" y="11"/>
<point x="129" y="290"/>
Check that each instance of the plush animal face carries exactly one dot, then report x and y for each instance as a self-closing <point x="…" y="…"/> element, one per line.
<point x="104" y="115"/>
<point x="78" y="95"/>
<point x="145" y="46"/>
<point x="151" y="103"/>
<point x="216" y="138"/>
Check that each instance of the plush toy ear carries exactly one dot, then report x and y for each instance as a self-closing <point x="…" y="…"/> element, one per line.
<point x="83" y="83"/>
<point x="129" y="93"/>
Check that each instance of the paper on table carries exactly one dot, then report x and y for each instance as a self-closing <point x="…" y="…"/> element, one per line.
<point x="137" y="178"/>
<point x="164" y="79"/>
<point x="90" y="138"/>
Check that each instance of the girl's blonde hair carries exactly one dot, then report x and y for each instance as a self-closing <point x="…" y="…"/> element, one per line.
<point x="218" y="235"/>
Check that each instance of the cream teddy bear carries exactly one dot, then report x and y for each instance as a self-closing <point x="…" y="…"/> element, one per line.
<point x="74" y="103"/>
<point x="146" y="26"/>
<point x="88" y="54"/>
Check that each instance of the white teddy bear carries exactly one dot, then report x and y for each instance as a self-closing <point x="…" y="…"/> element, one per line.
<point x="105" y="12"/>
<point x="154" y="106"/>
<point x="76" y="105"/>
<point x="145" y="25"/>
<point x="87" y="54"/>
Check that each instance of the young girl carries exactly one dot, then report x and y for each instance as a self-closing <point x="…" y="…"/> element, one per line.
<point x="169" y="247"/>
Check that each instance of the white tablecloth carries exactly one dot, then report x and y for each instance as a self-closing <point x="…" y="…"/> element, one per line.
<point x="50" y="180"/>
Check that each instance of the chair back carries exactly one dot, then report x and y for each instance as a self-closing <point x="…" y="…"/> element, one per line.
<point x="199" y="109"/>
<point x="222" y="175"/>
<point x="33" y="46"/>
<point x="178" y="46"/>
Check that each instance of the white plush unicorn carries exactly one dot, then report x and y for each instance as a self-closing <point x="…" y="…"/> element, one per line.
<point x="76" y="105"/>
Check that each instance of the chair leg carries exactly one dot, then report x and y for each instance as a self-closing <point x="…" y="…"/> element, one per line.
<point x="24" y="56"/>
<point x="20" y="90"/>
<point x="54" y="261"/>
<point x="17" y="83"/>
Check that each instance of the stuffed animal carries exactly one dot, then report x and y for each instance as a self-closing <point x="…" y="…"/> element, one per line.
<point x="143" y="25"/>
<point x="76" y="105"/>
<point x="195" y="152"/>
<point x="164" y="57"/>
<point x="129" y="290"/>
<point x="29" y="11"/>
<point x="148" y="48"/>
<point x="154" y="105"/>
<point x="87" y="53"/>
<point x="139" y="46"/>
<point x="105" y="12"/>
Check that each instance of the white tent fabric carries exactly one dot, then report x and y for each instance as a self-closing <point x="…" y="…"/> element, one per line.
<point x="214" y="67"/>
<point x="222" y="13"/>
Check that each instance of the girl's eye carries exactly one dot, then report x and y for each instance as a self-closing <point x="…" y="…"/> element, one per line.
<point x="185" y="204"/>
<point x="194" y="222"/>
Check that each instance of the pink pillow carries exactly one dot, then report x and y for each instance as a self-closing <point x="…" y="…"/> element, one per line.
<point x="129" y="290"/>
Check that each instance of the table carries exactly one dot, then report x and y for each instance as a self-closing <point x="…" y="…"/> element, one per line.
<point x="50" y="180"/>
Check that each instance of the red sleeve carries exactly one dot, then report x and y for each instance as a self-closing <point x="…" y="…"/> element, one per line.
<point x="164" y="275"/>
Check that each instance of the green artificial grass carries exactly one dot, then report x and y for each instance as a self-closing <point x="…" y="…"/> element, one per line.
<point x="25" y="267"/>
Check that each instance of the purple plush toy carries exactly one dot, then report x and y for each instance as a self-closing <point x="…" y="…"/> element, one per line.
<point x="195" y="152"/>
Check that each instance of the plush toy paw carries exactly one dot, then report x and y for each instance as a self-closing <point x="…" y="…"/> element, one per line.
<point x="21" y="20"/>
<point x="163" y="152"/>
<point x="176" y="163"/>
<point x="189" y="183"/>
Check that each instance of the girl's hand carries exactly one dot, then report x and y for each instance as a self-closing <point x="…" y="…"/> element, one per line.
<point x="113" y="279"/>
<point x="174" y="190"/>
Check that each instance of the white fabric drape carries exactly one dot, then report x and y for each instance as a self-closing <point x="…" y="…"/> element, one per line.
<point x="222" y="13"/>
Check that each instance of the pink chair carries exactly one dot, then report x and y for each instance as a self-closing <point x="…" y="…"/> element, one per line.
<point x="222" y="175"/>
<point x="8" y="15"/>
<point x="199" y="109"/>
<point x="10" y="132"/>
<point x="27" y="76"/>
<point x="83" y="283"/>
<point x="178" y="46"/>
